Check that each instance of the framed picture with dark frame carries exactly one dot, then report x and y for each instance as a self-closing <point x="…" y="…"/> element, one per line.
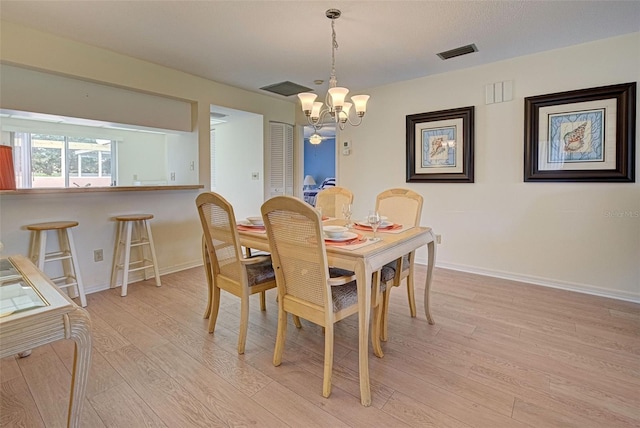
<point x="587" y="135"/>
<point x="440" y="146"/>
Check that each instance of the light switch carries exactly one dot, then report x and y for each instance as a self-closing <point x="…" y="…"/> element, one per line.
<point x="507" y="90"/>
<point x="497" y="92"/>
<point x="488" y="94"/>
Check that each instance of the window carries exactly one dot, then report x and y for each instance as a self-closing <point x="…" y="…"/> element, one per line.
<point x="47" y="160"/>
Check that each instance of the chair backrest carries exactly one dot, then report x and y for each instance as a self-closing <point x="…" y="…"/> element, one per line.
<point x="221" y="235"/>
<point x="402" y="206"/>
<point x="332" y="199"/>
<point x="294" y="229"/>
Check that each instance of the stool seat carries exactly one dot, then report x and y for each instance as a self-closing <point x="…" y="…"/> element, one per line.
<point x="65" y="254"/>
<point x="133" y="217"/>
<point x="133" y="231"/>
<point x="52" y="225"/>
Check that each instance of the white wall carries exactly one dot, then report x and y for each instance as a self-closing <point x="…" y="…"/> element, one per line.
<point x="182" y="158"/>
<point x="176" y="227"/>
<point x="572" y="235"/>
<point x="239" y="154"/>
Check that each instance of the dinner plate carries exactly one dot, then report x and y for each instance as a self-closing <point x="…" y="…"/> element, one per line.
<point x="347" y="236"/>
<point x="383" y="225"/>
<point x="247" y="223"/>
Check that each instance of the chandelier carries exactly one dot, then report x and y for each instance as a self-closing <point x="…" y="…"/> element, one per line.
<point x="315" y="138"/>
<point x="336" y="106"/>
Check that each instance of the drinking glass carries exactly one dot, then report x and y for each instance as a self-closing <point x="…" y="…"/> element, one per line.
<point x="374" y="221"/>
<point x="346" y="212"/>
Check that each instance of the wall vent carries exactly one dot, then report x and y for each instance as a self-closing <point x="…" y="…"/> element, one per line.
<point x="462" y="50"/>
<point x="286" y="88"/>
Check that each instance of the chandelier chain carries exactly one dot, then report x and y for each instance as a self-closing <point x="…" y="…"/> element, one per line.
<point x="334" y="46"/>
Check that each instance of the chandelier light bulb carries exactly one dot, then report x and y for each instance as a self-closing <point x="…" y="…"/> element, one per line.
<point x="338" y="95"/>
<point x="307" y="99"/>
<point x="344" y="114"/>
<point x="360" y="102"/>
<point x="315" y="111"/>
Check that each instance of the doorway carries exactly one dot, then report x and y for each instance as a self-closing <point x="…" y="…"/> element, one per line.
<point x="319" y="156"/>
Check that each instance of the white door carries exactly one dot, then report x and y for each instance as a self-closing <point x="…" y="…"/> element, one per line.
<point x="281" y="159"/>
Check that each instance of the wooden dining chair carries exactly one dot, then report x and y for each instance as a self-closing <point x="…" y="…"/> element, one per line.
<point x="226" y="267"/>
<point x="401" y="206"/>
<point x="307" y="287"/>
<point x="332" y="199"/>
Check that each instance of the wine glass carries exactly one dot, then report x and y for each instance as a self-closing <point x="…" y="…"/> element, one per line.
<point x="347" y="212"/>
<point x="374" y="221"/>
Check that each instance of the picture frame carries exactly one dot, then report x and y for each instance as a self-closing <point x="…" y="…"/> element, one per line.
<point x="440" y="146"/>
<point x="585" y="135"/>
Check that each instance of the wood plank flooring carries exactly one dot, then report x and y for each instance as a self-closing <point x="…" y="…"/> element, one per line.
<point x="501" y="354"/>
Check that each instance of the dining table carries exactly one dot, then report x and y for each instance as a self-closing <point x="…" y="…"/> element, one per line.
<point x="365" y="259"/>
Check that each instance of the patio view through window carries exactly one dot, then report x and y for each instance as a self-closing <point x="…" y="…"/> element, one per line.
<point x="46" y="161"/>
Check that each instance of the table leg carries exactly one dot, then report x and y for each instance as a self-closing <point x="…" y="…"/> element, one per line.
<point x="364" y="312"/>
<point x="431" y="260"/>
<point x="78" y="328"/>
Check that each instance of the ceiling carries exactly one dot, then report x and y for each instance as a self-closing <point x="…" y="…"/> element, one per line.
<point x="251" y="44"/>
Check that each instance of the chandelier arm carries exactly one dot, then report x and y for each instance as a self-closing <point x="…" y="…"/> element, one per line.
<point x="354" y="123"/>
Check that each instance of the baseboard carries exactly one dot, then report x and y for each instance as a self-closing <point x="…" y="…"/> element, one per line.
<point x="138" y="276"/>
<point x="530" y="279"/>
<point x="545" y="282"/>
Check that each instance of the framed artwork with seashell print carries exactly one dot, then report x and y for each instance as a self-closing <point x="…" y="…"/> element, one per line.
<point x="440" y="146"/>
<point x="584" y="135"/>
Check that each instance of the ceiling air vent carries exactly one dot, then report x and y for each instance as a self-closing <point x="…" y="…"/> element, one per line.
<point x="286" y="88"/>
<point x="462" y="50"/>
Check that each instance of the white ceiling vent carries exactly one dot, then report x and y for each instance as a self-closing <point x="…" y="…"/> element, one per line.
<point x="462" y="50"/>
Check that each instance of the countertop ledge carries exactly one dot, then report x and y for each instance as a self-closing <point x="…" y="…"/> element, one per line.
<point x="99" y="189"/>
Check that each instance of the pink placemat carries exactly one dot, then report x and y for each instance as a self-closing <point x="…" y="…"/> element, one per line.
<point x="254" y="229"/>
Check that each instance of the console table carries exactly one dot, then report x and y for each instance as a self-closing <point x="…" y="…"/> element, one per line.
<point x="34" y="312"/>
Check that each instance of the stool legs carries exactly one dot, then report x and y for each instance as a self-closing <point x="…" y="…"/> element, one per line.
<point x="134" y="233"/>
<point x="153" y="254"/>
<point x="66" y="255"/>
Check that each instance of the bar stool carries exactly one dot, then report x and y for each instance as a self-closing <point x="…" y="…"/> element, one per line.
<point x="65" y="254"/>
<point x="133" y="231"/>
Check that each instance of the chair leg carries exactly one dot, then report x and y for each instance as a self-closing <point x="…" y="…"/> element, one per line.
<point x="244" y="322"/>
<point x="377" y="307"/>
<point x="376" y="326"/>
<point x="328" y="361"/>
<point x="411" y="294"/>
<point x="215" y="306"/>
<point x="296" y="321"/>
<point x="263" y="300"/>
<point x="207" y="272"/>
<point x="280" y="336"/>
<point x="385" y="314"/>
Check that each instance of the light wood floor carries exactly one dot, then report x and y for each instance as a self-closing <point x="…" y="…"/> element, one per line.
<point x="501" y="354"/>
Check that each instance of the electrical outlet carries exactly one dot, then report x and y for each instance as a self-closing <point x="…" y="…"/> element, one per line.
<point x="173" y="176"/>
<point x="98" y="256"/>
<point x="438" y="239"/>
